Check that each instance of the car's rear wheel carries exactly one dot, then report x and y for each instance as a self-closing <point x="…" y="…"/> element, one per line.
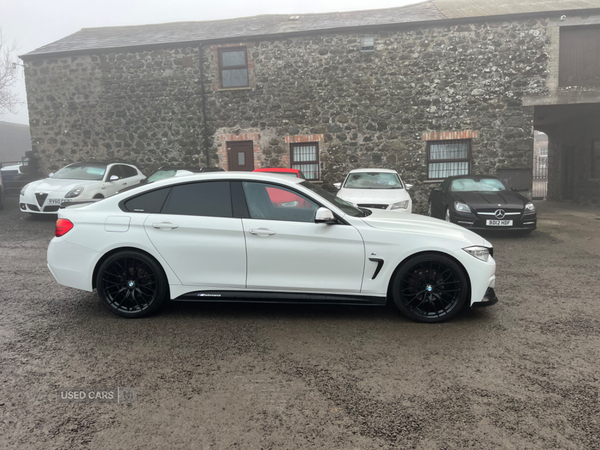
<point x="430" y="288"/>
<point x="131" y="284"/>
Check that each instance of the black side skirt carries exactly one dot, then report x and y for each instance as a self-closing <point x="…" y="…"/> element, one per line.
<point x="279" y="297"/>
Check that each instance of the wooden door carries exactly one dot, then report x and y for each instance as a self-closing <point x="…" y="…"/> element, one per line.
<point x="240" y="156"/>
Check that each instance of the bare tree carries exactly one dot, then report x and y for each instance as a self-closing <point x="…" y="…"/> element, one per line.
<point x="8" y="77"/>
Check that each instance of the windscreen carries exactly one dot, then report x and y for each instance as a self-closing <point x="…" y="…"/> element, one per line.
<point x="473" y="185"/>
<point x="81" y="172"/>
<point x="160" y="175"/>
<point x="373" y="180"/>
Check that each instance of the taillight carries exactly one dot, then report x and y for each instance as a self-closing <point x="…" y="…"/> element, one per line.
<point x="63" y="226"/>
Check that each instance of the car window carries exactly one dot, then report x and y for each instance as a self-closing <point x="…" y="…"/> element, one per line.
<point x="114" y="170"/>
<point x="81" y="172"/>
<point x="128" y="171"/>
<point x="345" y="206"/>
<point x="209" y="198"/>
<point x="373" y="180"/>
<point x="272" y="202"/>
<point x="148" y="202"/>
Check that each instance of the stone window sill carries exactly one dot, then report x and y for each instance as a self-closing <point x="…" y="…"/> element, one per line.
<point x="246" y="88"/>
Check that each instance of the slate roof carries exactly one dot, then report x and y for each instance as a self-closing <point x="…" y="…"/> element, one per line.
<point x="454" y="9"/>
<point x="275" y="24"/>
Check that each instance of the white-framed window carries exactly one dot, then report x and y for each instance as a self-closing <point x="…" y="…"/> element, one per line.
<point x="448" y="158"/>
<point x="305" y="157"/>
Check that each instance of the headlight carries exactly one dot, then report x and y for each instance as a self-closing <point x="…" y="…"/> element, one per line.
<point x="24" y="189"/>
<point x="400" y="205"/>
<point x="478" y="252"/>
<point x="529" y="207"/>
<point x="462" y="207"/>
<point x="74" y="192"/>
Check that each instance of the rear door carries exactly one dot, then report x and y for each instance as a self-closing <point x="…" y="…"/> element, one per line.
<point x="198" y="236"/>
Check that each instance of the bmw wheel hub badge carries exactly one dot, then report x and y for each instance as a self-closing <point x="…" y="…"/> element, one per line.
<point x="429" y="288"/>
<point x="131" y="284"/>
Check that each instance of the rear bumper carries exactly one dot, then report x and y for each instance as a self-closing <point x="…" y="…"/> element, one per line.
<point x="61" y="258"/>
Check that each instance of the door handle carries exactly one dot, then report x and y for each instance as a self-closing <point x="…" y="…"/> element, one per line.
<point x="164" y="226"/>
<point x="261" y="232"/>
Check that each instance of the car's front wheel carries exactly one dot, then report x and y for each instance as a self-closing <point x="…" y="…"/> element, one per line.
<point x="131" y="284"/>
<point x="430" y="288"/>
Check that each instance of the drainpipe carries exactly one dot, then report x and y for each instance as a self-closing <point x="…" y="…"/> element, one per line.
<point x="203" y="100"/>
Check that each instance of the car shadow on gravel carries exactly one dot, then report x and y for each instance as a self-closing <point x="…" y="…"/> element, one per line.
<point x="294" y="312"/>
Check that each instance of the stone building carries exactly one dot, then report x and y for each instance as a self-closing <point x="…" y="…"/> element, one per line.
<point x="433" y="89"/>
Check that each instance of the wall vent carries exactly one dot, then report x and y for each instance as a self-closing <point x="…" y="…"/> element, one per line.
<point x="367" y="44"/>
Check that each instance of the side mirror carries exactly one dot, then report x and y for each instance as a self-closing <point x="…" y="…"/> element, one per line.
<point x="113" y="178"/>
<point x="408" y="186"/>
<point x="337" y="185"/>
<point x="51" y="174"/>
<point x="324" y="215"/>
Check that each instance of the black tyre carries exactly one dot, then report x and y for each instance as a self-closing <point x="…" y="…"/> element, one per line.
<point x="131" y="284"/>
<point x="430" y="288"/>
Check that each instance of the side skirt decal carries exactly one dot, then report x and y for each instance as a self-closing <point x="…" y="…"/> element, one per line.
<point x="280" y="297"/>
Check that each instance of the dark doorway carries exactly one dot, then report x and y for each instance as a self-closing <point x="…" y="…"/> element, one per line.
<point x="240" y="155"/>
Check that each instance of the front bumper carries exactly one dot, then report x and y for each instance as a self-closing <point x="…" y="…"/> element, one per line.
<point x="489" y="299"/>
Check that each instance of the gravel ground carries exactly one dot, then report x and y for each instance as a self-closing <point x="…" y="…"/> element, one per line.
<point x="521" y="374"/>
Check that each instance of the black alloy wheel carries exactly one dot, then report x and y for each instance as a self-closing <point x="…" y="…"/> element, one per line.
<point x="430" y="288"/>
<point x="131" y="284"/>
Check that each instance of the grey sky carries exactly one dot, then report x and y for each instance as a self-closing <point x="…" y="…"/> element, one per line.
<point x="34" y="23"/>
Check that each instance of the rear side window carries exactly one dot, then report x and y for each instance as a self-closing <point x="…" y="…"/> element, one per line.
<point x="209" y="198"/>
<point x="149" y="202"/>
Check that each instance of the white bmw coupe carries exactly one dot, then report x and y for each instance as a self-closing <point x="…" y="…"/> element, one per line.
<point x="238" y="236"/>
<point x="76" y="182"/>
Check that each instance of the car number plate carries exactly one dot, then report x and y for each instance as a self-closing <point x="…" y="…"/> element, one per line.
<point x="498" y="223"/>
<point x="56" y="201"/>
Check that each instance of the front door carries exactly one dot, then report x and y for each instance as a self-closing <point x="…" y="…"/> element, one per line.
<point x="241" y="156"/>
<point x="288" y="251"/>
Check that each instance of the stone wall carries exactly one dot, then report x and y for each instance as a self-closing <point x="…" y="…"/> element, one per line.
<point x="143" y="108"/>
<point x="372" y="108"/>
